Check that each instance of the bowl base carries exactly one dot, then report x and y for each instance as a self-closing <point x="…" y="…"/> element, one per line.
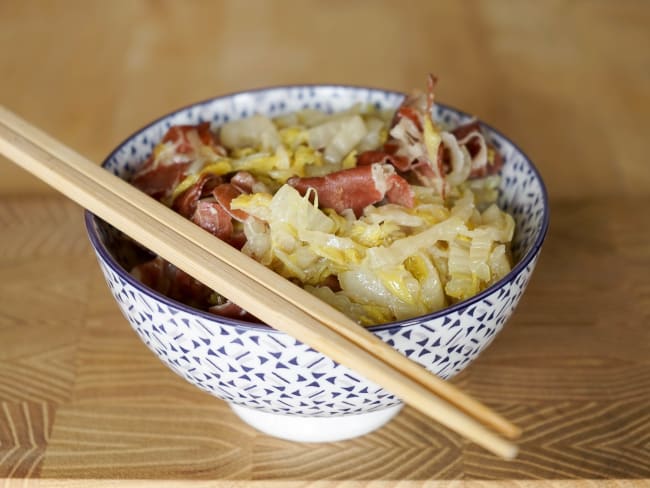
<point x="315" y="429"/>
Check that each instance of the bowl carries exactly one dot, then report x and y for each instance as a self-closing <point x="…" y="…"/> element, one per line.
<point x="272" y="381"/>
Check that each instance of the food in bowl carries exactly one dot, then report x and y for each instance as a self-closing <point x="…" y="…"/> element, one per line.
<point x="272" y="381"/>
<point x="383" y="214"/>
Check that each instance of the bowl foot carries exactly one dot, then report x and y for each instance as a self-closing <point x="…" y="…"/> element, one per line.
<point x="315" y="429"/>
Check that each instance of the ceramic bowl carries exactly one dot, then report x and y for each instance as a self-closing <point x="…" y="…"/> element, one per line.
<point x="272" y="381"/>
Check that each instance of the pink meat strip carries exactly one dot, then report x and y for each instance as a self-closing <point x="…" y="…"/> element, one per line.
<point x="158" y="179"/>
<point x="356" y="188"/>
<point x="185" y="203"/>
<point x="224" y="194"/>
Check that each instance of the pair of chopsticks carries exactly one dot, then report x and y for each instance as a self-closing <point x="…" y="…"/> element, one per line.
<point x="262" y="292"/>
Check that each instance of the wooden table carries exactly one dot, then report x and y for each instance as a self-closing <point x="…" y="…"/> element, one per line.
<point x="83" y="402"/>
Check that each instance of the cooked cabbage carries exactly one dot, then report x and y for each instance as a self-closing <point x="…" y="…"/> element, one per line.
<point x="391" y="260"/>
<point x="388" y="261"/>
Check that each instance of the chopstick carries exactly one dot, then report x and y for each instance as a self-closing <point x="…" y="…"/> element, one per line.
<point x="277" y="301"/>
<point x="284" y="288"/>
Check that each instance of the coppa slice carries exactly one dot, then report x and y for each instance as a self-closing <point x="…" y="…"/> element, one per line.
<point x="356" y="188"/>
<point x="174" y="157"/>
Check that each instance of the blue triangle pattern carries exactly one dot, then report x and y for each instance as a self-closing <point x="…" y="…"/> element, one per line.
<point x="186" y="347"/>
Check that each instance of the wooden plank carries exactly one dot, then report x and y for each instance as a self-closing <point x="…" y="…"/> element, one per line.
<point x="574" y="375"/>
<point x="567" y="80"/>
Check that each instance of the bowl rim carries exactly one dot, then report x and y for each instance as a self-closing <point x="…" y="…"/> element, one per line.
<point x="100" y="248"/>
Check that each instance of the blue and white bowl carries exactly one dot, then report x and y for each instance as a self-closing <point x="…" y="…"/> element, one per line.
<point x="272" y="381"/>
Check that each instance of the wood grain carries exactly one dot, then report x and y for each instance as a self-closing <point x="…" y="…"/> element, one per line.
<point x="279" y="302"/>
<point x="568" y="80"/>
<point x="82" y="397"/>
<point x="84" y="403"/>
<point x="24" y="435"/>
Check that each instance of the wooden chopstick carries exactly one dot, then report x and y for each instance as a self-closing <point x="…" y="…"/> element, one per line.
<point x="248" y="283"/>
<point x="290" y="292"/>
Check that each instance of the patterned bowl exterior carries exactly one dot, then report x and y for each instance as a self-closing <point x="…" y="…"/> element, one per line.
<point x="261" y="368"/>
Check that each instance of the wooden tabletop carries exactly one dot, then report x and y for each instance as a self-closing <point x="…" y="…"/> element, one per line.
<point x="84" y="403"/>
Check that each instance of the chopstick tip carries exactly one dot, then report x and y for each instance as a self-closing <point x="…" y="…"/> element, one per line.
<point x="511" y="453"/>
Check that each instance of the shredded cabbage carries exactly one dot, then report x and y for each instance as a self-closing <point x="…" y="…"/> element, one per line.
<point x="388" y="261"/>
<point x="338" y="137"/>
<point x="391" y="262"/>
<point x="256" y="131"/>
